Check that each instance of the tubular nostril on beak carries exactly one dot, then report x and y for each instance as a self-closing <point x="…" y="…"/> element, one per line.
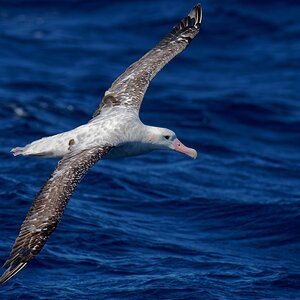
<point x="178" y="146"/>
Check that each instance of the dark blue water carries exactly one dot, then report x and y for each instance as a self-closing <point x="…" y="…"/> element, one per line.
<point x="159" y="226"/>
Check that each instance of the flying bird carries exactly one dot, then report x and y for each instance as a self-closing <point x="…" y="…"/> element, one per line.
<point x="115" y="131"/>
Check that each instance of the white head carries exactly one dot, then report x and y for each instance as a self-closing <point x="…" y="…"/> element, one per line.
<point x="163" y="138"/>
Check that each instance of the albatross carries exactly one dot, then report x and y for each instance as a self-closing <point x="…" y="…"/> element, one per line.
<point x="115" y="131"/>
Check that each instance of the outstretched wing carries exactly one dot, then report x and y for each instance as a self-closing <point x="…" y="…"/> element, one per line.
<point x="129" y="88"/>
<point x="48" y="207"/>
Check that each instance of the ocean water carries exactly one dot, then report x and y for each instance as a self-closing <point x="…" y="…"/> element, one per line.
<point x="158" y="226"/>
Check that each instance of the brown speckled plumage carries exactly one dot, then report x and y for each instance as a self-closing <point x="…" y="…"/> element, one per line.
<point x="129" y="88"/>
<point x="48" y="207"/>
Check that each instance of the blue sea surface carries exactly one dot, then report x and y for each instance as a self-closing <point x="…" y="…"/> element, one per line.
<point x="158" y="226"/>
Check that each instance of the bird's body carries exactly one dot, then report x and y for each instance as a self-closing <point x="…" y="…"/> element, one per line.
<point x="117" y="126"/>
<point x="115" y="131"/>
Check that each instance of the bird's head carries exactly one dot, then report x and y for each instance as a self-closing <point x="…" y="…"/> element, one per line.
<point x="163" y="138"/>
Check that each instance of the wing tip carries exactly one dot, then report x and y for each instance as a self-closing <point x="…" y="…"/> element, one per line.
<point x="10" y="272"/>
<point x="15" y="263"/>
<point x="196" y="14"/>
<point x="192" y="20"/>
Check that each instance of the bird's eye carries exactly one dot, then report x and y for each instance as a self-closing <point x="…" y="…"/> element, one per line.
<point x="167" y="137"/>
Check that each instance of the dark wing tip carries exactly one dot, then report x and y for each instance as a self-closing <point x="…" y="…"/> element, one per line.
<point x="15" y="264"/>
<point x="193" y="20"/>
<point x="196" y="14"/>
<point x="11" y="271"/>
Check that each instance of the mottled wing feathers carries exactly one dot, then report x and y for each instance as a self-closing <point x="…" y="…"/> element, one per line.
<point x="48" y="207"/>
<point x="129" y="88"/>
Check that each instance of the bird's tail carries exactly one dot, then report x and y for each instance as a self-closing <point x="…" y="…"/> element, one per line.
<point x="51" y="146"/>
<point x="17" y="151"/>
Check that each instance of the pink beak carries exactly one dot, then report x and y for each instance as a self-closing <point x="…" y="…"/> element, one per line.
<point x="179" y="147"/>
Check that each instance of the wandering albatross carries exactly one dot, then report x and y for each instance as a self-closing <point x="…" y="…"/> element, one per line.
<point x="115" y="131"/>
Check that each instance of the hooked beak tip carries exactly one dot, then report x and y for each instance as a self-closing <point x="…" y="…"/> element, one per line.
<point x="193" y="154"/>
<point x="179" y="147"/>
